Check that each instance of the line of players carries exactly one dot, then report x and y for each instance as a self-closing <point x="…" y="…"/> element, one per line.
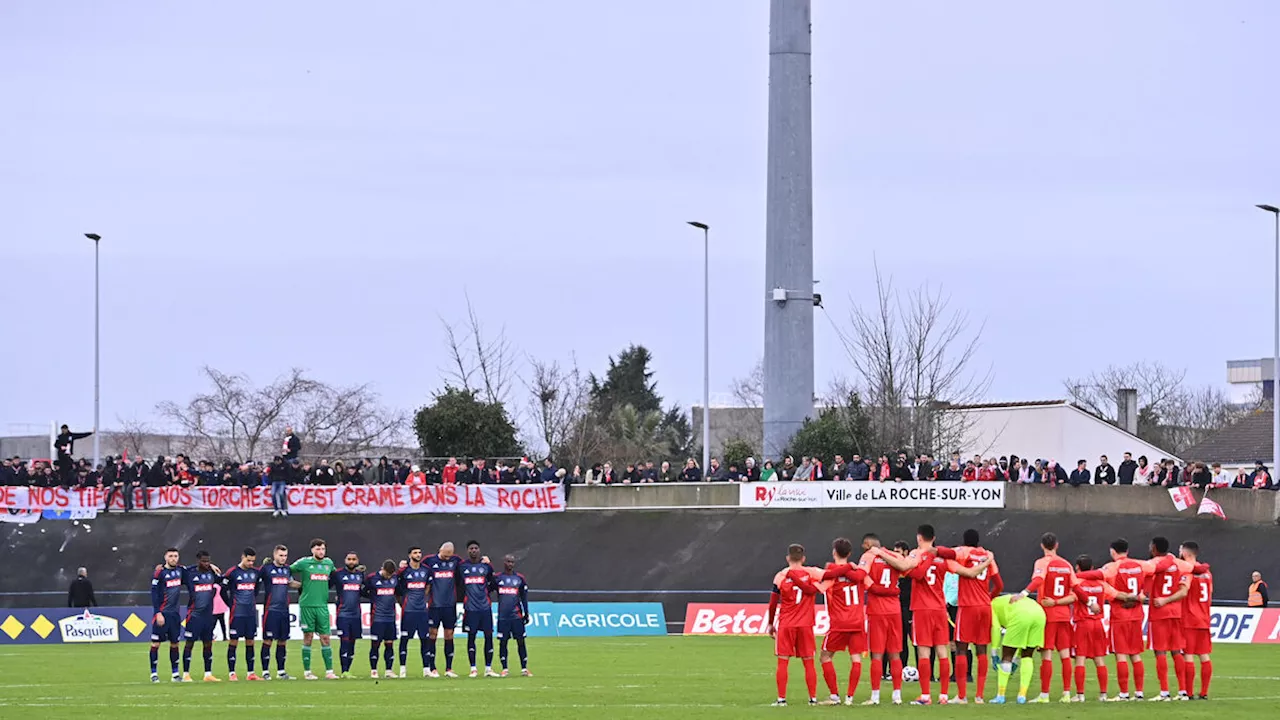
<point x="862" y="601"/>
<point x="425" y="588"/>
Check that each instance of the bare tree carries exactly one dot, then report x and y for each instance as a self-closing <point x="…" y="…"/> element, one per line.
<point x="559" y="400"/>
<point x="749" y="390"/>
<point x="481" y="362"/>
<point x="1157" y="386"/>
<point x="133" y="437"/>
<point x="238" y="421"/>
<point x="912" y="357"/>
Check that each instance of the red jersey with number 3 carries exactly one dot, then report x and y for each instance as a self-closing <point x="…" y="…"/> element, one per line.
<point x="927" y="577"/>
<point x="1195" y="608"/>
<point x="1163" y="584"/>
<point x="1129" y="576"/>
<point x="1053" y="578"/>
<point x="885" y="579"/>
<point x="847" y="600"/>
<point x="795" y="609"/>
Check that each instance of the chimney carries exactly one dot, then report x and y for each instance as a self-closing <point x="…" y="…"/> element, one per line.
<point x="1127" y="410"/>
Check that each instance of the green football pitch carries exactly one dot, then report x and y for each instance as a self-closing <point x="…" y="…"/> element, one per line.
<point x="675" y="677"/>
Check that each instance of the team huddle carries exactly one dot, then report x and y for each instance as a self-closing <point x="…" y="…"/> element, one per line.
<point x="1066" y="618"/>
<point x="426" y="589"/>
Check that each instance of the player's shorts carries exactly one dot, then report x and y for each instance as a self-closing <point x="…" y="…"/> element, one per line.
<point x="973" y="624"/>
<point x="1091" y="640"/>
<point x="1025" y="634"/>
<point x="443" y="616"/>
<point x="244" y="628"/>
<point x="884" y="633"/>
<point x="314" y="620"/>
<point x="510" y="628"/>
<point x="1058" y="635"/>
<point x="171" y="631"/>
<point x="480" y="621"/>
<point x="1197" y="641"/>
<point x="199" y="627"/>
<point x="1166" y="635"/>
<point x="349" y="628"/>
<point x="414" y="623"/>
<point x="1126" y="637"/>
<point x="855" y="641"/>
<point x="930" y="628"/>
<point x="794" y="642"/>
<point x="383" y="631"/>
<point x="275" y="625"/>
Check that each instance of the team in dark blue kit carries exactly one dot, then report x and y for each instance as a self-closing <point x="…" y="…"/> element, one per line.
<point x="424" y="591"/>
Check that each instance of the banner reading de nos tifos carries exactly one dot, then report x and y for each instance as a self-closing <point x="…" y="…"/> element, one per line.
<point x="307" y="499"/>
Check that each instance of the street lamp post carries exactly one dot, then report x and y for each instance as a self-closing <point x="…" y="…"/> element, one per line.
<point x="1275" y="355"/>
<point x="97" y="446"/>
<point x="706" y="344"/>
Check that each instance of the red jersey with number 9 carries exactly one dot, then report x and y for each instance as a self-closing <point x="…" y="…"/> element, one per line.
<point x="885" y="579"/>
<point x="795" y="609"/>
<point x="847" y="600"/>
<point x="1129" y="576"/>
<point x="926" y="588"/>
<point x="1053" y="578"/>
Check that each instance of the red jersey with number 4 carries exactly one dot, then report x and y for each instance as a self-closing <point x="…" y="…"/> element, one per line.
<point x="1053" y="578"/>
<point x="1129" y="576"/>
<point x="795" y="609"/>
<point x="927" y="577"/>
<point x="1163" y="584"/>
<point x="1195" y="608"/>
<point x="974" y="591"/>
<point x="882" y="593"/>
<point x="847" y="599"/>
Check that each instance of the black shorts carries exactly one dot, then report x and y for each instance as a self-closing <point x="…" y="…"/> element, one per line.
<point x="510" y="627"/>
<point x="446" y="616"/>
<point x="244" y="628"/>
<point x="199" y="627"/>
<point x="478" y="621"/>
<point x="171" y="631"/>
<point x="384" y="630"/>
<point x="414" y="623"/>
<point x="275" y="625"/>
<point x="349" y="628"/>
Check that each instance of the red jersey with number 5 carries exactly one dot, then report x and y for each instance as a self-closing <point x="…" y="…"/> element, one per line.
<point x="795" y="609"/>
<point x="927" y="577"/>
<point x="847" y="600"/>
<point x="1129" y="576"/>
<point x="1053" y="578"/>
<point x="1195" y="608"/>
<point x="882" y="594"/>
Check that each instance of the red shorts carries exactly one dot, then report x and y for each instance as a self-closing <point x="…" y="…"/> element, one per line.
<point x="794" y="642"/>
<point x="973" y="624"/>
<point x="884" y="633"/>
<point x="855" y="641"/>
<point x="1091" y="640"/>
<point x="1058" y="635"/>
<point x="1197" y="641"/>
<point x="930" y="628"/>
<point x="1126" y="637"/>
<point x="1166" y="634"/>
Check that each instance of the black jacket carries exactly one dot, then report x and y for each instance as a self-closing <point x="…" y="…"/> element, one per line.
<point x="1105" y="475"/>
<point x="66" y="443"/>
<point x="857" y="471"/>
<point x="81" y="593"/>
<point x="1127" y="469"/>
<point x="292" y="446"/>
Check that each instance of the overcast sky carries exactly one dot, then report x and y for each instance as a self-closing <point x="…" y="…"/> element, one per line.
<point x="315" y="184"/>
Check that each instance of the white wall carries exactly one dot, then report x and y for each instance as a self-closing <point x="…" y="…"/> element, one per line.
<point x="1056" y="432"/>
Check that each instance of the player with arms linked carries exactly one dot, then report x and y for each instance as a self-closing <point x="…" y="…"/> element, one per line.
<point x="1197" y="637"/>
<point x="240" y="593"/>
<point x="477" y="581"/>
<point x="513" y="613"/>
<point x="791" y="605"/>
<point x="275" y="578"/>
<point x="380" y="588"/>
<point x="166" y="624"/>
<point x="348" y="586"/>
<point x="202" y="584"/>
<point x="413" y="579"/>
<point x="844" y="587"/>
<point x="443" y="611"/>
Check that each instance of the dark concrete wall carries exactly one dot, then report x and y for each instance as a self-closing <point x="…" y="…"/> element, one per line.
<point x="644" y="551"/>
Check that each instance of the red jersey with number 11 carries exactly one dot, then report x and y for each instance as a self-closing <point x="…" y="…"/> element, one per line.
<point x="847" y="599"/>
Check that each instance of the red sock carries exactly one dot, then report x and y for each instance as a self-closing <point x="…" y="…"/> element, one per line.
<point x="895" y="671"/>
<point x="1102" y="678"/>
<point x="829" y="674"/>
<point x="811" y="678"/>
<point x="855" y="673"/>
<point x="877" y="672"/>
<point x="1046" y="675"/>
<point x="1139" y="675"/>
<point x="1080" y="679"/>
<point x="1162" y="671"/>
<point x="1066" y="674"/>
<point x="1206" y="674"/>
<point x="962" y="675"/>
<point x="782" y="678"/>
<point x="1189" y="671"/>
<point x="944" y="675"/>
<point x="984" y="666"/>
<point x="1180" y="672"/>
<point x="1122" y="675"/>
<point x="925" y="666"/>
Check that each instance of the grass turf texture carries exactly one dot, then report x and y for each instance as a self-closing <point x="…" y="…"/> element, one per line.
<point x="574" y="678"/>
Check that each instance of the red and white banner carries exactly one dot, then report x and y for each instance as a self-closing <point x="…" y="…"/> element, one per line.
<point x="307" y="499"/>
<point x="1182" y="497"/>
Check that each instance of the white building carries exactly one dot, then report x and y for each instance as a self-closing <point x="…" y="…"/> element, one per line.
<point x="1049" y="430"/>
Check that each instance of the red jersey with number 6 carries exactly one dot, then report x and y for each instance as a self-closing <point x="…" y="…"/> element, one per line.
<point x="1053" y="578"/>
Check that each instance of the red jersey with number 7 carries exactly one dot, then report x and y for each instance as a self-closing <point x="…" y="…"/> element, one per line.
<point x="795" y="609"/>
<point x="847" y="599"/>
<point x="882" y="593"/>
<point x="1053" y="578"/>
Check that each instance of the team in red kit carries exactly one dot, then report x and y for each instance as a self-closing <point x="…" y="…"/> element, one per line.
<point x="865" y="611"/>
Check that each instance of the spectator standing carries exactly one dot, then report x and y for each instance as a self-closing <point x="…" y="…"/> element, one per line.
<point x="787" y="472"/>
<point x="803" y="473"/>
<point x="609" y="477"/>
<point x="416" y="476"/>
<point x="1198" y="474"/>
<point x="1258" y="596"/>
<point x="507" y="475"/>
<point x="465" y="475"/>
<point x="691" y="472"/>
<point x="322" y="474"/>
<point x="280" y="474"/>
<point x="548" y="475"/>
<point x="1143" y="472"/>
<point x="80" y="594"/>
<point x="716" y="472"/>
<point x="751" y="471"/>
<point x="371" y="474"/>
<point x="649" y="474"/>
<point x="1080" y="476"/>
<point x="66" y="447"/>
<point x="449" y="473"/>
<point x="767" y="473"/>
<point x="291" y="446"/>
<point x="858" y="470"/>
<point x="838" y="468"/>
<point x="1128" y="468"/>
<point x="1260" y="478"/>
<point x="665" y="473"/>
<point x="1104" y="474"/>
<point x="1220" y="477"/>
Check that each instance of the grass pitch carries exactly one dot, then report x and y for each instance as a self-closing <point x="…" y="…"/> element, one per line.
<point x="673" y="677"/>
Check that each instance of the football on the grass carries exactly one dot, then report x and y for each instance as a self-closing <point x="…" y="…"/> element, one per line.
<point x="910" y="674"/>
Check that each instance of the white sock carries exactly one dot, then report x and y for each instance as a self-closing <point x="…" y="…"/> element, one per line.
<point x="875" y="695"/>
<point x="897" y="694"/>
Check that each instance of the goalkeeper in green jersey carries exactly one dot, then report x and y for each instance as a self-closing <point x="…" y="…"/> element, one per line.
<point x="1017" y="628"/>
<point x="313" y="606"/>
